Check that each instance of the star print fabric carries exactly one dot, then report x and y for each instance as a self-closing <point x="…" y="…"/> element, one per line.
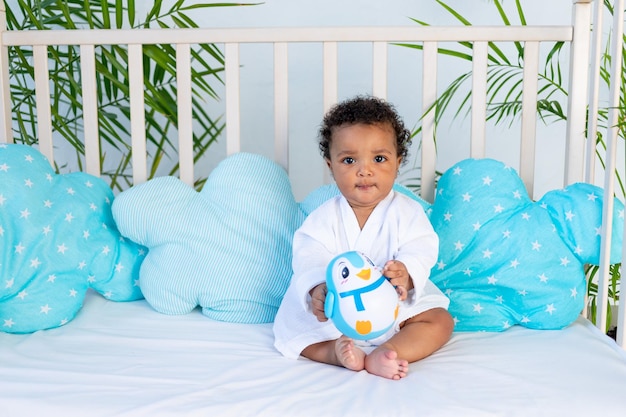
<point x="57" y="240"/>
<point x="506" y="260"/>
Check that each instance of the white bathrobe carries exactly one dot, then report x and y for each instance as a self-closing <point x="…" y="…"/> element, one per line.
<point x="397" y="229"/>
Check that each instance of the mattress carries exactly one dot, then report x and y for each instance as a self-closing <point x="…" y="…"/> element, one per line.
<point x="125" y="359"/>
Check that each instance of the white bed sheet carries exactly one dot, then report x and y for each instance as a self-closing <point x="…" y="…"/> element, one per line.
<point x="125" y="359"/>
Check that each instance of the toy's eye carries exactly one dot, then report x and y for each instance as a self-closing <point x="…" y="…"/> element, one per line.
<point x="345" y="272"/>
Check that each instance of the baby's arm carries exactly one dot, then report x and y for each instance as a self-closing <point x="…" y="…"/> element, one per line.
<point x="318" y="298"/>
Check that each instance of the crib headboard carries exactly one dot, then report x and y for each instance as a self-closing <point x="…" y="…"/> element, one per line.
<point x="577" y="159"/>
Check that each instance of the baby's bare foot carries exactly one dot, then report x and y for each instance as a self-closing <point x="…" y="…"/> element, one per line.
<point x="348" y="355"/>
<point x="384" y="362"/>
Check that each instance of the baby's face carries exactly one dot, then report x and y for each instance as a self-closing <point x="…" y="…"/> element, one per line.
<point x="364" y="162"/>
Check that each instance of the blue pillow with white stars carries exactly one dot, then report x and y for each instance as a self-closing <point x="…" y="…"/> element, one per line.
<point x="225" y="249"/>
<point x="505" y="260"/>
<point x="58" y="239"/>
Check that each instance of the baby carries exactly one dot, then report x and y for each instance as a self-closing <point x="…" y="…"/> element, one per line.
<point x="364" y="142"/>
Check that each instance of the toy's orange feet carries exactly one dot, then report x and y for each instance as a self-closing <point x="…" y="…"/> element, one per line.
<point x="363" y="326"/>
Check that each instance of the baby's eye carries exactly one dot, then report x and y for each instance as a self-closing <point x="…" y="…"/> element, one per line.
<point x="380" y="158"/>
<point x="348" y="161"/>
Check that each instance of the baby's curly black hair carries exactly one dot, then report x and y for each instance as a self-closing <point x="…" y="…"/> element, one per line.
<point x="366" y="110"/>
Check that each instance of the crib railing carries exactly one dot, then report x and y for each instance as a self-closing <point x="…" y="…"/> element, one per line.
<point x="577" y="159"/>
<point x="379" y="37"/>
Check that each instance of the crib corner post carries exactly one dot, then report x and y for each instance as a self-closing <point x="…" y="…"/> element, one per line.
<point x="6" y="120"/>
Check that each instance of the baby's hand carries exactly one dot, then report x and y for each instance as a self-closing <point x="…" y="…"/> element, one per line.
<point x="399" y="277"/>
<point x="402" y="292"/>
<point x="318" y="298"/>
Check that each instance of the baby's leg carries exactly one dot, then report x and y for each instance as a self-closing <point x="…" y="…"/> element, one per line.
<point x="423" y="334"/>
<point x="340" y="352"/>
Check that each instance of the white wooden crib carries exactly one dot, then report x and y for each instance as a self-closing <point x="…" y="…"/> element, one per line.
<point x="118" y="359"/>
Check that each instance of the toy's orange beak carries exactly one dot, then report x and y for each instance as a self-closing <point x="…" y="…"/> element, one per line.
<point x="364" y="274"/>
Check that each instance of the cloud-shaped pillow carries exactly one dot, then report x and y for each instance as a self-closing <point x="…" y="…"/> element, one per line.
<point x="507" y="260"/>
<point x="226" y="248"/>
<point x="58" y="239"/>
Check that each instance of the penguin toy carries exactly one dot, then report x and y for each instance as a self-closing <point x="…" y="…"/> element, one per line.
<point x="361" y="302"/>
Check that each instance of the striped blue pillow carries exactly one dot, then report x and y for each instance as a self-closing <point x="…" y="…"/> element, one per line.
<point x="226" y="249"/>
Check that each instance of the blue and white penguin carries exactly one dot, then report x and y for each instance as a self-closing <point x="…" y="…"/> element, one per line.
<point x="361" y="302"/>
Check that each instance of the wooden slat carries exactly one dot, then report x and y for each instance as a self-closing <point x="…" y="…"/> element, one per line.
<point x="42" y="100"/>
<point x="429" y="96"/>
<point x="137" y="114"/>
<point x="330" y="81"/>
<point x="479" y="100"/>
<point x="577" y="99"/>
<point x="281" y="104"/>
<point x="233" y="114"/>
<point x="185" y="125"/>
<point x="90" y="109"/>
<point x="529" y="115"/>
<point x="330" y="75"/>
<point x="379" y="69"/>
<point x="594" y="90"/>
